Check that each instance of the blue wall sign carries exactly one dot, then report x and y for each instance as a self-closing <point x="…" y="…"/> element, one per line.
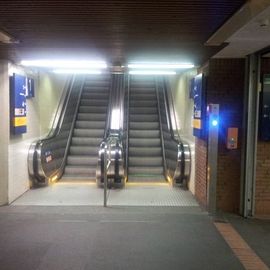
<point x="199" y="106"/>
<point x="18" y="103"/>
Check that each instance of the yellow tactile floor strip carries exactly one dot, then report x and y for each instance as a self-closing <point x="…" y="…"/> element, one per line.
<point x="241" y="249"/>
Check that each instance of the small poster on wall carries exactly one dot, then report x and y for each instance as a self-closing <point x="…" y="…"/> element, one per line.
<point x="18" y="88"/>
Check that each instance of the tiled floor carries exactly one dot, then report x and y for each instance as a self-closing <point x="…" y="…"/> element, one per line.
<point x="89" y="194"/>
<point x="112" y="238"/>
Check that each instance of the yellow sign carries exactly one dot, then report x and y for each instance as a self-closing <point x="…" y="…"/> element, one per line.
<point x="197" y="123"/>
<point x="19" y="121"/>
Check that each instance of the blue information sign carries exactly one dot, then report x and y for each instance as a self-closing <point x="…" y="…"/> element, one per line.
<point x="18" y="103"/>
<point x="199" y="106"/>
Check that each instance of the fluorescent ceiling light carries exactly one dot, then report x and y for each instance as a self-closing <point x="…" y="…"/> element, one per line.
<point x="80" y="64"/>
<point x="160" y="65"/>
<point x="151" y="72"/>
<point x="77" y="71"/>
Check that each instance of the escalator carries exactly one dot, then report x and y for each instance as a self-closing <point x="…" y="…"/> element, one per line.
<point x="145" y="158"/>
<point x="89" y="130"/>
<point x="70" y="151"/>
<point x="154" y="150"/>
<point x="115" y="125"/>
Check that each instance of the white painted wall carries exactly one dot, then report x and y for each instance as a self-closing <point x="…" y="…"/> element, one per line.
<point x="19" y="144"/>
<point x="184" y="114"/>
<point x="4" y="131"/>
<point x="50" y="90"/>
<point x="40" y="113"/>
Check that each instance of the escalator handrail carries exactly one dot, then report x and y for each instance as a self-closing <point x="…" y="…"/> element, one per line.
<point x="35" y="146"/>
<point x="183" y="147"/>
<point x="160" y="126"/>
<point x="113" y="138"/>
<point x="108" y="119"/>
<point x="127" y="127"/>
<point x="39" y="144"/>
<point x="170" y="106"/>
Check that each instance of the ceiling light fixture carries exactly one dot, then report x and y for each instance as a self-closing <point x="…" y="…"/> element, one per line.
<point x="77" y="71"/>
<point x="151" y="72"/>
<point x="75" y="64"/>
<point x="161" y="66"/>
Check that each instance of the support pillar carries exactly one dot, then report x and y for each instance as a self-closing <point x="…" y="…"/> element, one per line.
<point x="249" y="153"/>
<point x="4" y="131"/>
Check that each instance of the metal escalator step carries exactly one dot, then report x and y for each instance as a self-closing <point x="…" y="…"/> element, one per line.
<point x="144" y="142"/>
<point x="77" y="171"/>
<point x="94" y="102"/>
<point x="143" y="110"/>
<point x="155" y="170"/>
<point x="142" y="92"/>
<point x="143" y="152"/>
<point x="143" y="117"/>
<point x="143" y="103"/>
<point x="91" y="93"/>
<point x="84" y="150"/>
<point x="82" y="160"/>
<point x="85" y="141"/>
<point x="91" y="116"/>
<point x="144" y="133"/>
<point x="145" y="161"/>
<point x="146" y="178"/>
<point x="144" y="96"/>
<point x="71" y="178"/>
<point x="88" y="133"/>
<point x="144" y="126"/>
<point x="95" y="95"/>
<point x="90" y="124"/>
<point x="92" y="109"/>
<point x="96" y="85"/>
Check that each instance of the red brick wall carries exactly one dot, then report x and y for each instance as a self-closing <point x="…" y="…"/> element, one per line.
<point x="201" y="171"/>
<point x="225" y="86"/>
<point x="262" y="193"/>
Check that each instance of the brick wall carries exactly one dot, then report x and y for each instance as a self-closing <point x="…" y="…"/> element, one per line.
<point x="225" y="86"/>
<point x="201" y="171"/>
<point x="262" y="193"/>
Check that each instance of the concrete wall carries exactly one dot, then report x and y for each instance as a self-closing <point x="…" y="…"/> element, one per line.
<point x="14" y="180"/>
<point x="180" y="86"/>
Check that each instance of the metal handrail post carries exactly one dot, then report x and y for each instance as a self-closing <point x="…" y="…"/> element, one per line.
<point x="105" y="180"/>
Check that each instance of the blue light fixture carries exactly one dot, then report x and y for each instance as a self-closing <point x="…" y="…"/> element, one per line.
<point x="214" y="123"/>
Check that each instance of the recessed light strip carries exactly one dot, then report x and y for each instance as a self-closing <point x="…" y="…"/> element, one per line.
<point x="160" y="66"/>
<point x="77" y="71"/>
<point x="151" y="72"/>
<point x="75" y="64"/>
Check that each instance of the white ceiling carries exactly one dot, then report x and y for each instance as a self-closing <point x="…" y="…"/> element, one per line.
<point x="251" y="38"/>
